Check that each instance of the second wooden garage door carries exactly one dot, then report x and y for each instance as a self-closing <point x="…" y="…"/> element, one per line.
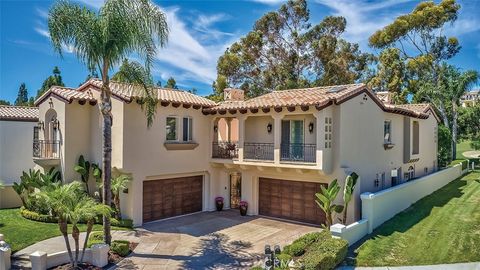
<point x="293" y="200"/>
<point x="171" y="197"/>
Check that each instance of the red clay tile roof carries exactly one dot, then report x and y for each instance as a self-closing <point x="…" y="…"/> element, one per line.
<point x="67" y="94"/>
<point x="128" y="92"/>
<point x="418" y="107"/>
<point x="18" y="113"/>
<point x="294" y="97"/>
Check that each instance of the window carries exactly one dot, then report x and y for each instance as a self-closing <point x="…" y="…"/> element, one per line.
<point x="187" y="129"/>
<point x="416" y="138"/>
<point x="328" y="132"/>
<point x="36" y="131"/>
<point x="171" y="128"/>
<point x="387" y="132"/>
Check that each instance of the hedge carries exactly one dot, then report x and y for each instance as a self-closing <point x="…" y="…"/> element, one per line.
<point x="121" y="247"/>
<point x="24" y="212"/>
<point x="317" y="251"/>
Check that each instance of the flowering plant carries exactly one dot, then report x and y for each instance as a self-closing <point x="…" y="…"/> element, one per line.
<point x="219" y="199"/>
<point x="243" y="204"/>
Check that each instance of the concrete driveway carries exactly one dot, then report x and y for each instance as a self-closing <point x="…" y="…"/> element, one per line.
<point x="211" y="240"/>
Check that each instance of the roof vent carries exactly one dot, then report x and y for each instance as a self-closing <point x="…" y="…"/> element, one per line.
<point x="336" y="89"/>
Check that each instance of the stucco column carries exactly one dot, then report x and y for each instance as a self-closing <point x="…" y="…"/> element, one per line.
<point x="229" y="129"/>
<point x="241" y="136"/>
<point x="320" y="134"/>
<point x="277" y="137"/>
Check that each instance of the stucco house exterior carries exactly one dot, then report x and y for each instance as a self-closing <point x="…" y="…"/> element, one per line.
<point x="470" y="98"/>
<point x="273" y="151"/>
<point x="16" y="139"/>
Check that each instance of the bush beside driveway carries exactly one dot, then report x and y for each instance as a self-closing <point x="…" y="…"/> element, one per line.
<point x="443" y="227"/>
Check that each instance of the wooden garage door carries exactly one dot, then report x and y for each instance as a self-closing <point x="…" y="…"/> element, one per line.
<point x="293" y="200"/>
<point x="171" y="197"/>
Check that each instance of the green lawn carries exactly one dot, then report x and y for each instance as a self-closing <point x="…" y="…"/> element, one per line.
<point x="21" y="232"/>
<point x="462" y="147"/>
<point x="443" y="227"/>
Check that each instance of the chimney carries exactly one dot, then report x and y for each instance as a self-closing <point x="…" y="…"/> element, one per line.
<point x="385" y="97"/>
<point x="232" y="94"/>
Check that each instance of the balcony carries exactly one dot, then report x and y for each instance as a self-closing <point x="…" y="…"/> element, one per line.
<point x="46" y="153"/>
<point x="225" y="150"/>
<point x="258" y="151"/>
<point x="298" y="152"/>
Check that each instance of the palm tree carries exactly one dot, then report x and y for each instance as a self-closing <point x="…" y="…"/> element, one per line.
<point x="119" y="183"/>
<point x="325" y="200"/>
<point x="103" y="39"/>
<point x="70" y="204"/>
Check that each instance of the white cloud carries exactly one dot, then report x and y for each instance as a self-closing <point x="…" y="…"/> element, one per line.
<point x="42" y="31"/>
<point x="189" y="51"/>
<point x="463" y="26"/>
<point x="478" y="50"/>
<point x="363" y="18"/>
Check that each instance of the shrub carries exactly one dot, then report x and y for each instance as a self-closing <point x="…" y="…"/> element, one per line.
<point x="126" y="223"/>
<point x="464" y="164"/>
<point x="325" y="254"/>
<point x="95" y="238"/>
<point x="283" y="257"/>
<point x="36" y="216"/>
<point x="256" y="268"/>
<point x="121" y="247"/>
<point x="298" y="247"/>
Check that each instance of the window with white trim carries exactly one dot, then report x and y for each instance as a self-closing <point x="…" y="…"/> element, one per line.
<point x="187" y="129"/>
<point x="328" y="132"/>
<point x="171" y="128"/>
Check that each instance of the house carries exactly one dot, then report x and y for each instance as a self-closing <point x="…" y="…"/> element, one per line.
<point x="16" y="140"/>
<point x="273" y="151"/>
<point x="470" y="98"/>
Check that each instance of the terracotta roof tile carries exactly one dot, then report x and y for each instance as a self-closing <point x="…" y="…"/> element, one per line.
<point x="67" y="94"/>
<point x="18" y="113"/>
<point x="419" y="107"/>
<point x="294" y="97"/>
<point x="128" y="92"/>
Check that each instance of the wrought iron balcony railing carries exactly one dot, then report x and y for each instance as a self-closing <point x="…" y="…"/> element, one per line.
<point x="258" y="151"/>
<point x="225" y="150"/>
<point x="298" y="152"/>
<point x="46" y="149"/>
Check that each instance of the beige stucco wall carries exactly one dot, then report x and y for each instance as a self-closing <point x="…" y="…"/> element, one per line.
<point x="16" y="140"/>
<point x="256" y="129"/>
<point x="9" y="198"/>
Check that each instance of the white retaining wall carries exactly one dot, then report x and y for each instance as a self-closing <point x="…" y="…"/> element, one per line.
<point x="97" y="255"/>
<point x="381" y="206"/>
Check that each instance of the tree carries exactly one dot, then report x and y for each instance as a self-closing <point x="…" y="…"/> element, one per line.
<point x="469" y="122"/>
<point x="284" y="50"/>
<point x="350" y="183"/>
<point x="325" y="200"/>
<point x="70" y="204"/>
<point x="171" y="83"/>
<point x="103" y="39"/>
<point x="420" y="39"/>
<point x="22" y="96"/>
<point x="446" y="93"/>
<point x="193" y="91"/>
<point x="53" y="80"/>
<point x="120" y="181"/>
<point x="4" y="102"/>
<point x="159" y="83"/>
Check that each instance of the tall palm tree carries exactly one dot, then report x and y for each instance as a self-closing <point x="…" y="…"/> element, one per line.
<point x="103" y="39"/>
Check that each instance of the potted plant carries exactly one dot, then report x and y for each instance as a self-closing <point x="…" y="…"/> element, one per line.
<point x="219" y="203"/>
<point x="243" y="208"/>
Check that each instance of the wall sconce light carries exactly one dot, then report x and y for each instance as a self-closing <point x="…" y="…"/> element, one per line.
<point x="269" y="127"/>
<point x="215" y="128"/>
<point x="40" y="124"/>
<point x="310" y="127"/>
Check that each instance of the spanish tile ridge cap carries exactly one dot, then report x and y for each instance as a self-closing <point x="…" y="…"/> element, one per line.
<point x="19" y="107"/>
<point x="326" y="87"/>
<point x="51" y="90"/>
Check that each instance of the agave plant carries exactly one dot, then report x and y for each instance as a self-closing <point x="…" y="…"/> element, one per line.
<point x="325" y="200"/>
<point x="350" y="183"/>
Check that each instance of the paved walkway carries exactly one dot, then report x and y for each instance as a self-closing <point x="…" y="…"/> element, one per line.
<point x="211" y="240"/>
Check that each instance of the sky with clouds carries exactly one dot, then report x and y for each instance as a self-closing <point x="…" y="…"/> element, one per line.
<point x="200" y="31"/>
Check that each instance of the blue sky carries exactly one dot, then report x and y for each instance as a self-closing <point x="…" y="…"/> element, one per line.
<point x="200" y="31"/>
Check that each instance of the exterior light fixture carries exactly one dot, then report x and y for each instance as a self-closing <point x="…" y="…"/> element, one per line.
<point x="271" y="260"/>
<point x="55" y="124"/>
<point x="310" y="127"/>
<point x="40" y="124"/>
<point x="215" y="128"/>
<point x="269" y="127"/>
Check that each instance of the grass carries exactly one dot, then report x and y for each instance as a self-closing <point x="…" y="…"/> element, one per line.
<point x="443" y="227"/>
<point x="463" y="146"/>
<point x="20" y="232"/>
